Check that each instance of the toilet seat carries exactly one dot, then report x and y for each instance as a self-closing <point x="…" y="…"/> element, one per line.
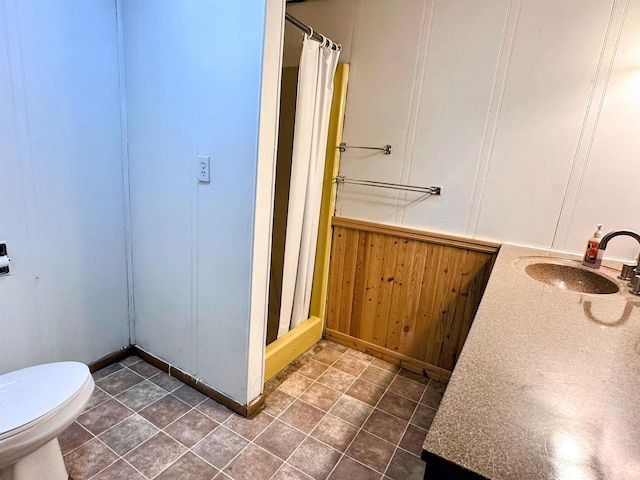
<point x="29" y="394"/>
<point x="52" y="397"/>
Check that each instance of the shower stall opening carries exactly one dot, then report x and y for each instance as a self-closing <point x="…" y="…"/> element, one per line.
<point x="310" y="130"/>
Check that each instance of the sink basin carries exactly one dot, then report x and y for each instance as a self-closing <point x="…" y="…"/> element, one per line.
<point x="566" y="274"/>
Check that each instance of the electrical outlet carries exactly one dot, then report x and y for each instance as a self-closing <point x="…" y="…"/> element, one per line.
<point x="203" y="169"/>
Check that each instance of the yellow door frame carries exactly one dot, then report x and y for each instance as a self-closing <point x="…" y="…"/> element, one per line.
<point x="296" y="341"/>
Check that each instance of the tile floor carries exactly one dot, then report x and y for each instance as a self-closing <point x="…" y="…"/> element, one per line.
<point x="334" y="413"/>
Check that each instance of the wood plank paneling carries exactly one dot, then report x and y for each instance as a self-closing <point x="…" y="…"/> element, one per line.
<point x="359" y="293"/>
<point x="404" y="293"/>
<point x="372" y="286"/>
<point x="348" y="278"/>
<point x="414" y="294"/>
<point x="336" y="266"/>
<point x="406" y="251"/>
<point x="385" y="289"/>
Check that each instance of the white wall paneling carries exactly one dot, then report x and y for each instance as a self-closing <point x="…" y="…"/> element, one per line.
<point x="552" y="67"/>
<point x="381" y="89"/>
<point x="522" y="111"/>
<point x="62" y="192"/>
<point x="265" y="190"/>
<point x="454" y="126"/>
<point x="193" y="77"/>
<point x="610" y="175"/>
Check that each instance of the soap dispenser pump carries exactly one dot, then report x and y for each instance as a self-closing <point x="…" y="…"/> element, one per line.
<point x="593" y="256"/>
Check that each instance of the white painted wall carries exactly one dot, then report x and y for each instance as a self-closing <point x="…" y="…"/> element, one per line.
<point x="265" y="192"/>
<point x="524" y="112"/>
<point x="61" y="187"/>
<point x="193" y="78"/>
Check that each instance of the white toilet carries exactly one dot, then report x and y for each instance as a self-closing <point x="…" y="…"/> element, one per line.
<point x="36" y="405"/>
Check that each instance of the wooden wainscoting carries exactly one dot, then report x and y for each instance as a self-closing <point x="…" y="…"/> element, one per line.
<point x="405" y="295"/>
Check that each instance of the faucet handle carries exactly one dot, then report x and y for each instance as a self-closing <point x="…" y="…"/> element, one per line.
<point x="635" y="285"/>
<point x="628" y="272"/>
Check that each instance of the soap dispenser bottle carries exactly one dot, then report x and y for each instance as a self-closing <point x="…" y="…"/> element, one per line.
<point x="591" y="257"/>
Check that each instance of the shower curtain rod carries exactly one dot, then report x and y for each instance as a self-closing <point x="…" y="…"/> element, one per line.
<point x="308" y="30"/>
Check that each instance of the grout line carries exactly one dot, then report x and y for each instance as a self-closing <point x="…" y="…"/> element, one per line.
<point x="112" y="397"/>
<point x="119" y="457"/>
<point x="307" y="435"/>
<point x="275" y="418"/>
<point x="291" y="466"/>
<point x="201" y="457"/>
<point x="365" y="422"/>
<point x="415" y="409"/>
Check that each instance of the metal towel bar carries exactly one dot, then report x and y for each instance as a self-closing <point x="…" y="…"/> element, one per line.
<point x="394" y="186"/>
<point x="386" y="149"/>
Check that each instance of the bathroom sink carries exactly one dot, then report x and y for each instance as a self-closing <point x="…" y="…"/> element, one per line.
<point x="566" y="274"/>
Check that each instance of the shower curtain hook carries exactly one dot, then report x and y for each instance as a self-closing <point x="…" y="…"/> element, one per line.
<point x="311" y="34"/>
<point x="324" y="41"/>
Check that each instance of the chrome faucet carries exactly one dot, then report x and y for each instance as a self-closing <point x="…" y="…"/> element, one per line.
<point x="629" y="272"/>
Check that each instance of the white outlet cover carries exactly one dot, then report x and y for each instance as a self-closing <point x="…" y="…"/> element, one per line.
<point x="203" y="173"/>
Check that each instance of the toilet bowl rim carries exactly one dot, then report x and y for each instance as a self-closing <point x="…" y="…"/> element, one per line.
<point x="32" y="436"/>
<point x="87" y="384"/>
<point x="33" y="392"/>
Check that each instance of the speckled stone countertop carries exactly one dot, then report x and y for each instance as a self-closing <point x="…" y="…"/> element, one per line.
<point x="548" y="383"/>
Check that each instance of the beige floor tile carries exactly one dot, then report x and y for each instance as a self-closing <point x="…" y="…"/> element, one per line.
<point x="303" y="416"/>
<point x="327" y="356"/>
<point x="88" y="459"/>
<point x="214" y="410"/>
<point x="220" y="446"/>
<point x="249" y="428"/>
<point x="295" y="385"/>
<point x="154" y="455"/>
<point x="336" y="379"/>
<point x="73" y="437"/>
<point x="280" y="439"/>
<point x="141" y="395"/>
<point x="407" y="388"/>
<point x="189" y="395"/>
<point x="320" y="396"/>
<point x="351" y="410"/>
<point x="315" y="459"/>
<point x="348" y="468"/>
<point x="277" y="402"/>
<point x="396" y="405"/>
<point x="164" y="411"/>
<point x="385" y="426"/>
<point x="128" y="434"/>
<point x="191" y="428"/>
<point x="253" y="463"/>
<point x="120" y="470"/>
<point x="365" y="392"/>
<point x="378" y="376"/>
<point x="371" y="451"/>
<point x="120" y="381"/>
<point x="188" y="467"/>
<point x="99" y="419"/>
<point x="334" y="432"/>
<point x="405" y="466"/>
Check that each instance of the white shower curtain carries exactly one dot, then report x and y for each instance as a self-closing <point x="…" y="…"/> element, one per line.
<point x="315" y="89"/>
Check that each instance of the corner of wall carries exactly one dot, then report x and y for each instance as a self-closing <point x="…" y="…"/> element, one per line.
<point x="263" y="213"/>
<point x="126" y="187"/>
